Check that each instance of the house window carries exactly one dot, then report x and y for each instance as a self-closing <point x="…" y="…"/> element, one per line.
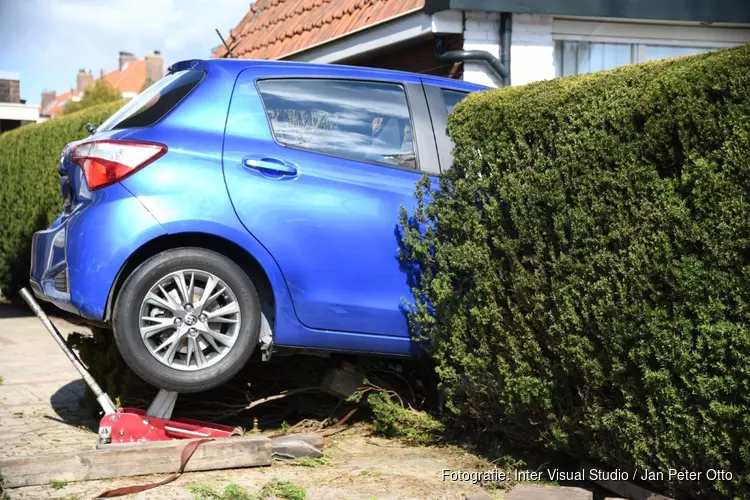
<point x="367" y="121"/>
<point x="578" y="57"/>
<point x="652" y="52"/>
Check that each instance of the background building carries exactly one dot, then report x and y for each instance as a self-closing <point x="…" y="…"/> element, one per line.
<point x="534" y="39"/>
<point x="14" y="111"/>
<point x="130" y="78"/>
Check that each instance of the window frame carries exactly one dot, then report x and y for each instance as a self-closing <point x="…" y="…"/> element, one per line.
<point x="646" y="32"/>
<point x="638" y="34"/>
<point x="404" y="87"/>
<point x="637" y="52"/>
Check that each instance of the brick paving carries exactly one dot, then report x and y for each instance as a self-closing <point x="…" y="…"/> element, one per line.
<point x="40" y="393"/>
<point x="40" y="410"/>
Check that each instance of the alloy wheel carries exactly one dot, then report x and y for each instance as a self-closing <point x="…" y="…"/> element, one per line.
<point x="189" y="320"/>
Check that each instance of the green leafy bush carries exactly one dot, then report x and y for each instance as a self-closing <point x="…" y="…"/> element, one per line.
<point x="29" y="186"/>
<point x="583" y="272"/>
<point x="393" y="420"/>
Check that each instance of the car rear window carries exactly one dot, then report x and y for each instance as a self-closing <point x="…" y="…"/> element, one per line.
<point x="155" y="102"/>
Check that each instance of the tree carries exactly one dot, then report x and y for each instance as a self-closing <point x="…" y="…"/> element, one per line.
<point x="97" y="93"/>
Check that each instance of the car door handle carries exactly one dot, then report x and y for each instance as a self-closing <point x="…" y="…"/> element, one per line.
<point x="270" y="165"/>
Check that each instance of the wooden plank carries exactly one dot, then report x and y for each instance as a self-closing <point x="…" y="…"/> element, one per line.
<point x="622" y="488"/>
<point x="121" y="460"/>
<point x="541" y="492"/>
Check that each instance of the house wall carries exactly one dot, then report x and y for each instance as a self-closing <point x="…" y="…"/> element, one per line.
<point x="531" y="50"/>
<point x="481" y="32"/>
<point x="535" y="37"/>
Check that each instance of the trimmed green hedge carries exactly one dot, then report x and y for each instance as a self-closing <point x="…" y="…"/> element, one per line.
<point x="29" y="186"/>
<point x="585" y="267"/>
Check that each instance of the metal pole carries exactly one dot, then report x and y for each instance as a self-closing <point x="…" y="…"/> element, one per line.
<point x="101" y="397"/>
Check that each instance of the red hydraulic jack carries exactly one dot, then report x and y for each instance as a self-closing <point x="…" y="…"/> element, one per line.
<point x="133" y="425"/>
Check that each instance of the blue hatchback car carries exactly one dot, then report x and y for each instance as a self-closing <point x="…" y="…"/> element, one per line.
<point x="237" y="204"/>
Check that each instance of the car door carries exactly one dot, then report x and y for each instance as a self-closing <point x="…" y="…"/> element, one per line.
<point x="317" y="168"/>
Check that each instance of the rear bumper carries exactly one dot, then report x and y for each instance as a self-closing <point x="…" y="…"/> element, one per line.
<point x="75" y="262"/>
<point x="49" y="272"/>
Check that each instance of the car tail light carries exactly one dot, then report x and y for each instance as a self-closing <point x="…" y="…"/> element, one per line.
<point x="105" y="162"/>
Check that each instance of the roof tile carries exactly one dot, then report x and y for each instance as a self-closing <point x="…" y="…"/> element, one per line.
<point x="273" y="29"/>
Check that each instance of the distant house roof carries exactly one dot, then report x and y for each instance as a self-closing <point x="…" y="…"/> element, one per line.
<point x="130" y="79"/>
<point x="273" y="29"/>
<point x="55" y="107"/>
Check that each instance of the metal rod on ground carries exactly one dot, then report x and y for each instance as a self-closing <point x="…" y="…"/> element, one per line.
<point x="102" y="397"/>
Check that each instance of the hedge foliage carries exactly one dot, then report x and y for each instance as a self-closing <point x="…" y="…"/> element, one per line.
<point x="29" y="185"/>
<point x="583" y="271"/>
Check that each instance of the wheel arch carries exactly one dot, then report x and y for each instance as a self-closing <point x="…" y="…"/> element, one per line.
<point x="239" y="255"/>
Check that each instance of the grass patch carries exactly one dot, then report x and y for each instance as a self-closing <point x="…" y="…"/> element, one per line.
<point x="313" y="462"/>
<point x="274" y="489"/>
<point x="59" y="484"/>
<point x="281" y="489"/>
<point x="231" y="491"/>
<point x="3" y="494"/>
<point x="370" y="473"/>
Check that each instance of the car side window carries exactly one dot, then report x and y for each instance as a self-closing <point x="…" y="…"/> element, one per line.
<point x="367" y="121"/>
<point x="451" y="98"/>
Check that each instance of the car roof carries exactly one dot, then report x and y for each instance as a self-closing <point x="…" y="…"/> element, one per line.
<point x="237" y="65"/>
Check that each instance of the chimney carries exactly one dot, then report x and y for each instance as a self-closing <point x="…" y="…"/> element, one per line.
<point x="154" y="66"/>
<point x="83" y="80"/>
<point x="10" y="88"/>
<point x="48" y="97"/>
<point x="125" y="57"/>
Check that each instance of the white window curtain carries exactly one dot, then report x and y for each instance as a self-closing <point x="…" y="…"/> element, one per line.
<point x="652" y="52"/>
<point x="578" y="57"/>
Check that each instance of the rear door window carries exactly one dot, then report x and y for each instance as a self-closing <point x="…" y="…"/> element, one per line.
<point x="451" y="98"/>
<point x="155" y="102"/>
<point x="366" y="121"/>
<point x="442" y="101"/>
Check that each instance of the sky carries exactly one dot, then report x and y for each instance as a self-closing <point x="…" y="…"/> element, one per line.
<point x="47" y="41"/>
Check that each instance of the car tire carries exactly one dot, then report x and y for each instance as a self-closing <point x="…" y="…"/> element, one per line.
<point x="173" y="368"/>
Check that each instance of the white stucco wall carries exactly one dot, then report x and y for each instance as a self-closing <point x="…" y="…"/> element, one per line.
<point x="481" y="32"/>
<point x="17" y="111"/>
<point x="531" y="53"/>
<point x="531" y="49"/>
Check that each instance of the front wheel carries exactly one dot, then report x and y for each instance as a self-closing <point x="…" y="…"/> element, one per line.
<point x="187" y="320"/>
